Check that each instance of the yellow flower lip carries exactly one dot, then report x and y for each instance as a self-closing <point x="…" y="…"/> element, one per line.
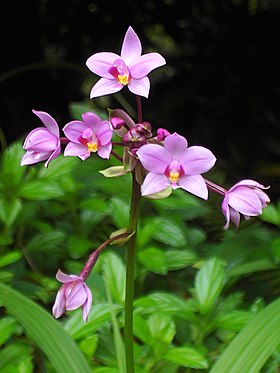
<point x="174" y="176"/>
<point x="92" y="147"/>
<point x="123" y="79"/>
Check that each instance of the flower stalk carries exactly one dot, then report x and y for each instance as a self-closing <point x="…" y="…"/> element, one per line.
<point x="130" y="270"/>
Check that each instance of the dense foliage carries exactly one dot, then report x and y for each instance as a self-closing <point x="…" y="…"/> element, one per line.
<point x="197" y="286"/>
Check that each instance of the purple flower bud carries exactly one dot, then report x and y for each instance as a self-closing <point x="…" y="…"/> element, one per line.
<point x="73" y="294"/>
<point x="145" y="128"/>
<point x="162" y="134"/>
<point x="42" y="143"/>
<point x="117" y="123"/>
<point x="245" y="197"/>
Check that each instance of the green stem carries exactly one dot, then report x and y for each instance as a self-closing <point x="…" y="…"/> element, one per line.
<point x="130" y="269"/>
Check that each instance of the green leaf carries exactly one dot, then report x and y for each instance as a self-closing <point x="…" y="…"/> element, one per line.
<point x="251" y="348"/>
<point x="11" y="171"/>
<point x="168" y="303"/>
<point x="78" y="246"/>
<point x="188" y="357"/>
<point x="275" y="250"/>
<point x="162" y="229"/>
<point x="154" y="260"/>
<point x="6" y="276"/>
<point x="10" y="258"/>
<point x="209" y="283"/>
<point x="8" y="326"/>
<point x="99" y="316"/>
<point x="252" y="267"/>
<point x="169" y="232"/>
<point x="95" y="204"/>
<point x="177" y="259"/>
<point x="14" y="353"/>
<point x="58" y="168"/>
<point x="271" y="214"/>
<point x="119" y="212"/>
<point x="78" y="108"/>
<point x="46" y="241"/>
<point x="234" y="320"/>
<point x="114" y="272"/>
<point x="141" y="330"/>
<point x="162" y="327"/>
<point x="47" y="333"/>
<point x="40" y="190"/>
<point x="9" y="210"/>
<point x="88" y="345"/>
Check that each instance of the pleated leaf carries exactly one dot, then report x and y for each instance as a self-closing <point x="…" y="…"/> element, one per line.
<point x="61" y="350"/>
<point x="251" y="348"/>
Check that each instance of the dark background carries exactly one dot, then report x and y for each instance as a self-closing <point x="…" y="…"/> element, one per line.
<point x="220" y="87"/>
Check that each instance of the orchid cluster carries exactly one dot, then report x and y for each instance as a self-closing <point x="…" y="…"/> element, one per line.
<point x="159" y="161"/>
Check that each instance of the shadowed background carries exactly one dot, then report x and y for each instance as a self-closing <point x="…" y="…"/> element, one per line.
<point x="220" y="87"/>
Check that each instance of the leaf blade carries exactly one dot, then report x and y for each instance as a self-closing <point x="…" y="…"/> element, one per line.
<point x="60" y="349"/>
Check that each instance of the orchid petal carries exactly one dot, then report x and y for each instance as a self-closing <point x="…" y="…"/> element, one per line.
<point x="77" y="150"/>
<point x="48" y="121"/>
<point x="234" y="216"/>
<point x="59" y="304"/>
<point x="54" y="155"/>
<point x="245" y="200"/>
<point x="176" y="145"/>
<point x="154" y="183"/>
<point x="73" y="130"/>
<point x="143" y="65"/>
<point x="249" y="183"/>
<point x="197" y="160"/>
<point x="40" y="140"/>
<point x="140" y="87"/>
<point x="104" y="132"/>
<point x="194" y="184"/>
<point x="33" y="157"/>
<point x="105" y="86"/>
<point x="264" y="199"/>
<point x="87" y="305"/>
<point x="154" y="158"/>
<point x="75" y="295"/>
<point x="131" y="47"/>
<point x="62" y="277"/>
<point x="105" y="151"/>
<point x="92" y="120"/>
<point x="100" y="63"/>
<point x="225" y="211"/>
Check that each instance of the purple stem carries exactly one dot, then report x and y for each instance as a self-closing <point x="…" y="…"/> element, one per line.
<point x="117" y="156"/>
<point x="139" y="109"/>
<point x="64" y="140"/>
<point x="215" y="188"/>
<point x="92" y="259"/>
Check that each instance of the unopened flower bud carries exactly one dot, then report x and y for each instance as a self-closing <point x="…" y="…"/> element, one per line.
<point x="162" y="134"/>
<point x="145" y="128"/>
<point x="117" y="123"/>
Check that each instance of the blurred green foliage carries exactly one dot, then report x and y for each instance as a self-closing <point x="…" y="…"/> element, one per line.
<point x="197" y="286"/>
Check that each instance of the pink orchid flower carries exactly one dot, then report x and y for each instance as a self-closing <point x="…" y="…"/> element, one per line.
<point x="245" y="197"/>
<point x="130" y="68"/>
<point x="73" y="294"/>
<point x="175" y="165"/>
<point x="43" y="143"/>
<point x="88" y="136"/>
